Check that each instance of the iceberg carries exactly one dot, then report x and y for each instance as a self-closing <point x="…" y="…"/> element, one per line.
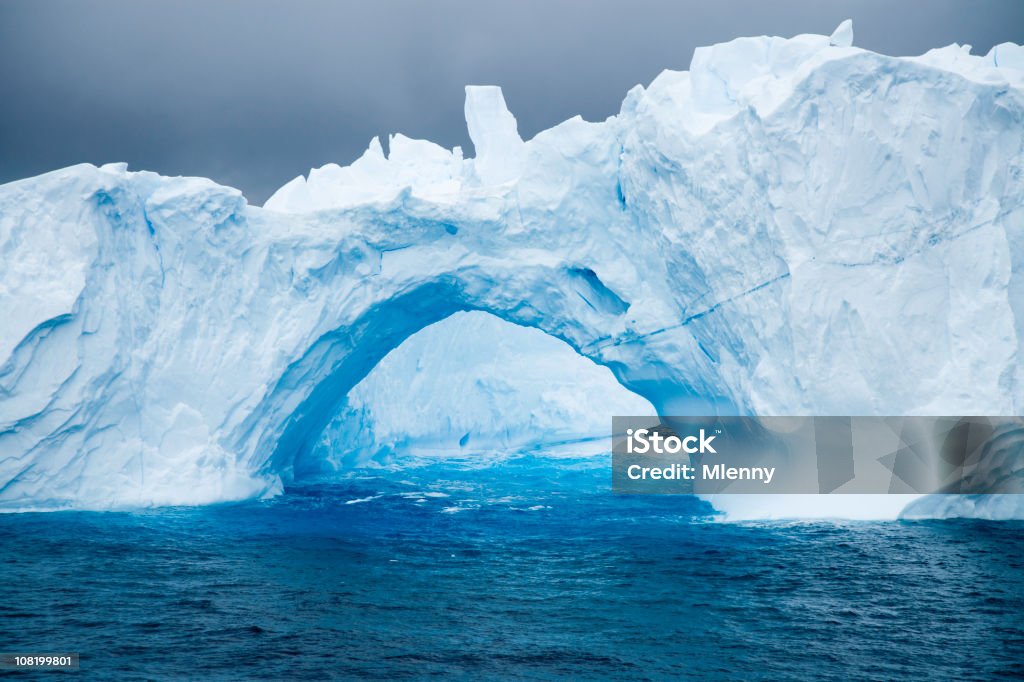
<point x="793" y="226"/>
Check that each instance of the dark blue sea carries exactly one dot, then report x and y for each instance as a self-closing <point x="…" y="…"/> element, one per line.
<point x="514" y="571"/>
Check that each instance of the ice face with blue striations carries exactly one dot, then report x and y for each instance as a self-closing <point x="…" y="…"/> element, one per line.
<point x="793" y="226"/>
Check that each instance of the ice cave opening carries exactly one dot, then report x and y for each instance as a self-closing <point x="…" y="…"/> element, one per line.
<point x="471" y="385"/>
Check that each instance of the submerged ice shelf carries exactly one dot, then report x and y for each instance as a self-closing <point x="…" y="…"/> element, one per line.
<point x="793" y="226"/>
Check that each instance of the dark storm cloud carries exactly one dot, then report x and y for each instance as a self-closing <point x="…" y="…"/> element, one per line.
<point x="253" y="93"/>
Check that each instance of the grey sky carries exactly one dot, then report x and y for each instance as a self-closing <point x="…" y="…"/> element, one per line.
<point x="253" y="93"/>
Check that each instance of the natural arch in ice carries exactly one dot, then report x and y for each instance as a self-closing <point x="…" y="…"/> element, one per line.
<point x="473" y="385"/>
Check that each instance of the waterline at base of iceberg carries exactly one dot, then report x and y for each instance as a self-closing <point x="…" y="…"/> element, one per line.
<point x="862" y="507"/>
<point x="582" y="466"/>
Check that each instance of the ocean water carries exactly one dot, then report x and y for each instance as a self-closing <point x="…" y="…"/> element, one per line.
<point x="513" y="571"/>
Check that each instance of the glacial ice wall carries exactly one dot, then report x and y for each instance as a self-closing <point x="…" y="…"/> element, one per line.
<point x="790" y="227"/>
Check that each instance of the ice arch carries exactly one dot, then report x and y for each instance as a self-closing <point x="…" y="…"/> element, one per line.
<point x="562" y="301"/>
<point x="791" y="227"/>
<point x="472" y="386"/>
<point x="313" y="388"/>
<point x="203" y="341"/>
